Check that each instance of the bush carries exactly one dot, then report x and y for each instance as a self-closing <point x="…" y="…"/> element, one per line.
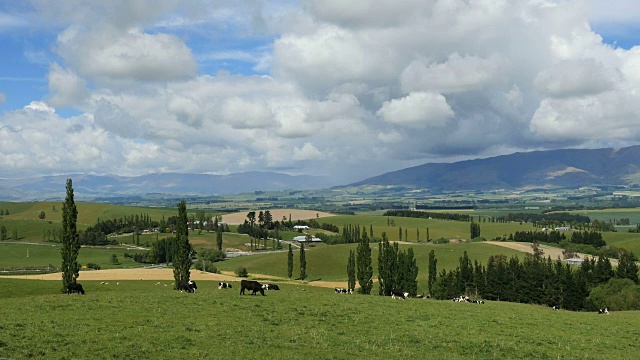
<point x="616" y="294"/>
<point x="212" y="255"/>
<point x="209" y="267"/>
<point x="478" y="239"/>
<point x="93" y="266"/>
<point x="242" y="272"/>
<point x="441" y="240"/>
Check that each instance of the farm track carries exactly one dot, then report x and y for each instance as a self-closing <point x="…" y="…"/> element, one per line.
<point x="548" y="250"/>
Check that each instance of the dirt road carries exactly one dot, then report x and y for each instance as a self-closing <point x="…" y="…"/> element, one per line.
<point x="548" y="250"/>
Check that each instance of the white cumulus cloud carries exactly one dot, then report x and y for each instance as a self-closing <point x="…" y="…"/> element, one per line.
<point x="418" y="109"/>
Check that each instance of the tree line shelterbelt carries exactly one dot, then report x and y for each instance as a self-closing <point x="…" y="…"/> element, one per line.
<point x="539" y="280"/>
<point x="429" y="215"/>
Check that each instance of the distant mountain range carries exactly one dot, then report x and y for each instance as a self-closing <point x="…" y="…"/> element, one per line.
<point x="555" y="168"/>
<point x="107" y="186"/>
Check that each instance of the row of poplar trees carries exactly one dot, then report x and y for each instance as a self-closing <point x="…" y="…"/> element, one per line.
<point x="396" y="269"/>
<point x="71" y="242"/>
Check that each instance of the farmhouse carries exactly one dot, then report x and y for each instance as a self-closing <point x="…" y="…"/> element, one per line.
<point x="574" y="261"/>
<point x="563" y="228"/>
<point x="304" y="239"/>
<point x="300" y="227"/>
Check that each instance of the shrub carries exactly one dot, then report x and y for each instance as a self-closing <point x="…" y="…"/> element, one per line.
<point x="209" y="267"/>
<point x="93" y="266"/>
<point x="441" y="240"/>
<point x="616" y="294"/>
<point x="478" y="239"/>
<point x="213" y="255"/>
<point x="242" y="272"/>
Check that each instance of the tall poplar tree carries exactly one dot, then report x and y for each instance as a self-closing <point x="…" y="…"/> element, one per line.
<point x="364" y="267"/>
<point x="303" y="263"/>
<point x="290" y="262"/>
<point x="182" y="255"/>
<point x="70" y="239"/>
<point x="219" y="239"/>
<point x="351" y="270"/>
<point x="433" y="270"/>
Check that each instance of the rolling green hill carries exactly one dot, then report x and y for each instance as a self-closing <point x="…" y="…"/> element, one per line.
<point x="570" y="168"/>
<point x="137" y="319"/>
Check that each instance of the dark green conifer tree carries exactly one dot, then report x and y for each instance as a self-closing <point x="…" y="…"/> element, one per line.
<point x="182" y="252"/>
<point x="433" y="268"/>
<point x="303" y="263"/>
<point x="290" y="262"/>
<point x="70" y="239"/>
<point x="351" y="270"/>
<point x="364" y="267"/>
<point x="219" y="239"/>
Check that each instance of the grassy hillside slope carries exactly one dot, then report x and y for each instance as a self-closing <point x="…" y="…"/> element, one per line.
<point x="137" y="319"/>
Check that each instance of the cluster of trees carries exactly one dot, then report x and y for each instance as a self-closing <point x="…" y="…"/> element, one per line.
<point x="363" y="265"/>
<point x="538" y="236"/>
<point x="93" y="236"/>
<point x="262" y="228"/>
<point x="4" y="235"/>
<point x="544" y="219"/>
<point x="126" y="224"/>
<point x="303" y="262"/>
<point x="474" y="230"/>
<point x="592" y="238"/>
<point x="396" y="269"/>
<point x="534" y="280"/>
<point x="427" y="215"/>
<point x="52" y="235"/>
<point x="4" y="212"/>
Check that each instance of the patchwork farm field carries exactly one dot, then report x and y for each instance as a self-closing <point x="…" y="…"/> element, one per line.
<point x="138" y="319"/>
<point x="413" y="226"/>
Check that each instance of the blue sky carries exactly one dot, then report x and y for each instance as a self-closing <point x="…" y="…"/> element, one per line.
<point x="348" y="90"/>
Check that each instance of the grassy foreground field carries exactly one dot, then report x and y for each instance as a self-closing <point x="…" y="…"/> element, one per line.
<point x="137" y="319"/>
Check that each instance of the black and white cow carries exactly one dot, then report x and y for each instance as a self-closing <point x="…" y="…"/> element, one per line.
<point x="343" y="291"/>
<point x="224" y="285"/>
<point x="554" y="307"/>
<point x="270" y="287"/>
<point x="604" y="311"/>
<point x="74" y="287"/>
<point x="399" y="294"/>
<point x="188" y="286"/>
<point x="251" y="285"/>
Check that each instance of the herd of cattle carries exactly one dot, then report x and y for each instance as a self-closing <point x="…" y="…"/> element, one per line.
<point x="255" y="287"/>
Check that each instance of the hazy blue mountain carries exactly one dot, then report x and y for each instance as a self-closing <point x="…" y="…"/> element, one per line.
<point x="104" y="186"/>
<point x="559" y="168"/>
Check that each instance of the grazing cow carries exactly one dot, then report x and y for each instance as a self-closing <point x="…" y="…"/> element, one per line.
<point x="270" y="287"/>
<point x="188" y="286"/>
<point x="554" y="307"/>
<point x="224" y="285"/>
<point x="604" y="311"/>
<point x="338" y="290"/>
<point x="399" y="293"/>
<point x="74" y="287"/>
<point x="251" y="285"/>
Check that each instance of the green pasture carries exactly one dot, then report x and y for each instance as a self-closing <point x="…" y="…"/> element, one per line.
<point x="437" y="228"/>
<point x="137" y="319"/>
<point x="329" y="263"/>
<point x="633" y="214"/>
<point x="623" y="239"/>
<point x="15" y="255"/>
